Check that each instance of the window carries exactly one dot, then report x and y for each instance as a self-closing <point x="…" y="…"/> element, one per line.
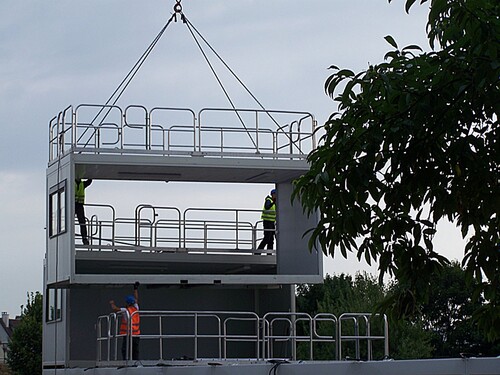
<point x="53" y="305"/>
<point x="57" y="209"/>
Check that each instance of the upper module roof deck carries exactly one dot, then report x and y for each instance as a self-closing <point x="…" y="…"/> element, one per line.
<point x="214" y="144"/>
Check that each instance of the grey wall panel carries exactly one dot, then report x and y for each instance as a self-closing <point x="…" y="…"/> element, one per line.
<point x="55" y="342"/>
<point x="293" y="255"/>
<point x="87" y="303"/>
<point x="455" y="366"/>
<point x="59" y="248"/>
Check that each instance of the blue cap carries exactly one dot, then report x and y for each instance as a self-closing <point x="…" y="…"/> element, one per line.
<point x="130" y="300"/>
<point x="273" y="191"/>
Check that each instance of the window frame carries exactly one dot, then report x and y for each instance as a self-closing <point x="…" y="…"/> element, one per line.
<point x="57" y="219"/>
<point x="53" y="305"/>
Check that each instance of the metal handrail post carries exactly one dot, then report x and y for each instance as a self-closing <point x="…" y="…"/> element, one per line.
<point x="259" y="344"/>
<point x="73" y="128"/>
<point x="60" y="135"/>
<point x="221" y="140"/>
<point x="137" y="235"/>
<point x="356" y="333"/>
<point x="205" y="236"/>
<point x="149" y="139"/>
<point x="195" y="336"/>
<point x="129" y="335"/>
<point x="266" y="333"/>
<point x="161" y="339"/>
<point x="313" y="133"/>
<point x="64" y="121"/>
<point x="311" y="341"/>
<point x="199" y="133"/>
<point x="386" y="337"/>
<point x="237" y="230"/>
<point x="122" y="130"/>
<point x="108" y="346"/>
<point x="51" y="138"/>
<point x="99" y="352"/>
<point x="219" y="339"/>
<point x="184" y="229"/>
<point x="368" y="341"/>
<point x="293" y="334"/>
<point x="254" y="236"/>
<point x="257" y="132"/>
<point x="116" y="339"/>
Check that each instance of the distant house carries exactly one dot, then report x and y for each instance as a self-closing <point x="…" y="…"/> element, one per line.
<point x="6" y="328"/>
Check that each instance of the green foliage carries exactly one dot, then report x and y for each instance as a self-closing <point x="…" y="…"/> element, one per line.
<point x="416" y="140"/>
<point x="25" y="348"/>
<point x="443" y="328"/>
<point x="449" y="316"/>
<point x="345" y="294"/>
<point x="338" y="295"/>
<point x="409" y="340"/>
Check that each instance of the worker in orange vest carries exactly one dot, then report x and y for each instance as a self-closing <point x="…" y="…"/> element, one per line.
<point x="130" y="310"/>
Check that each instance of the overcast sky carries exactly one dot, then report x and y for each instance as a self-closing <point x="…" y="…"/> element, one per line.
<point x="58" y="52"/>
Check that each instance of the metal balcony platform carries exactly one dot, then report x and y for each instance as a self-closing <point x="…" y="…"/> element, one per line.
<point x="198" y="168"/>
<point x="172" y="261"/>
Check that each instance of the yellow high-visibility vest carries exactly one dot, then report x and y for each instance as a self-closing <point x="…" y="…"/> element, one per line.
<point x="269" y="215"/>
<point x="80" y="192"/>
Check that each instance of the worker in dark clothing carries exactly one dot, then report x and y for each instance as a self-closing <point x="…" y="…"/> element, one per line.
<point x="80" y="187"/>
<point x="131" y="310"/>
<point x="269" y="220"/>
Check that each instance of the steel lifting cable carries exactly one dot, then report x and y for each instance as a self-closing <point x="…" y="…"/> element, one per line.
<point x="230" y="70"/>
<point x="190" y="25"/>
<point x="131" y="74"/>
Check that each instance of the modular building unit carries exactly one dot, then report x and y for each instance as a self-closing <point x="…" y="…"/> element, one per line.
<point x="186" y="260"/>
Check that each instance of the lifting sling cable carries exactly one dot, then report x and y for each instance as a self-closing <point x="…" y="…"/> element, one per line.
<point x="190" y="25"/>
<point x="128" y="78"/>
<point x="219" y="81"/>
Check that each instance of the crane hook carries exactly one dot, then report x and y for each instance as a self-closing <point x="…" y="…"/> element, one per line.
<point x="178" y="6"/>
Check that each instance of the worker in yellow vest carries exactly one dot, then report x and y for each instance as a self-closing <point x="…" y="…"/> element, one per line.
<point x="80" y="187"/>
<point x="131" y="310"/>
<point x="269" y="220"/>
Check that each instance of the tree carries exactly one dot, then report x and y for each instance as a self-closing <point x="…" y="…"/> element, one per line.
<point x="25" y="347"/>
<point x="448" y="316"/>
<point x="415" y="141"/>
<point x="342" y="294"/>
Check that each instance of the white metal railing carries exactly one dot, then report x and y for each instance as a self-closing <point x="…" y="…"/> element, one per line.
<point x="158" y="228"/>
<point x="218" y="330"/>
<point x="218" y="132"/>
<point x="362" y="327"/>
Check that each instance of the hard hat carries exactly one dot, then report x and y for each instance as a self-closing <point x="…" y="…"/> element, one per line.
<point x="273" y="191"/>
<point x="130" y="300"/>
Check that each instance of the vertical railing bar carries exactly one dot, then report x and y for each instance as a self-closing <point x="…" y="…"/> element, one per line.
<point x="161" y="336"/>
<point x="237" y="229"/>
<point x="386" y="337"/>
<point x="195" y="336"/>
<point x="311" y="341"/>
<point x="148" y="131"/>
<point x="368" y="341"/>
<point x="257" y="132"/>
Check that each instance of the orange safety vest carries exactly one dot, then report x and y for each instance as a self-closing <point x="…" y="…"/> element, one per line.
<point x="135" y="322"/>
